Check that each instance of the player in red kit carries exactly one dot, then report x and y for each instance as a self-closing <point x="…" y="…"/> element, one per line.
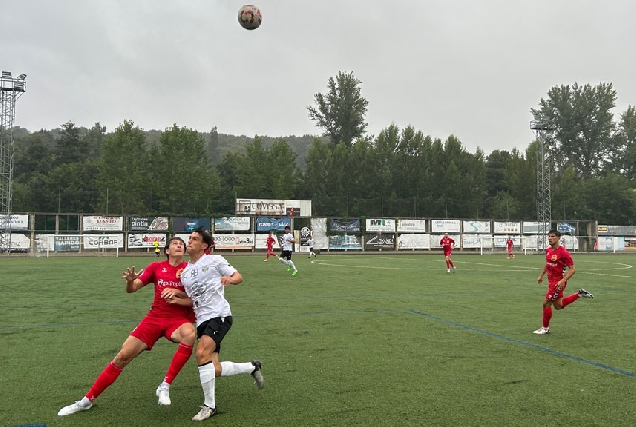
<point x="448" y="244"/>
<point x="509" y="244"/>
<point x="557" y="260"/>
<point x="270" y="246"/>
<point x="163" y="319"/>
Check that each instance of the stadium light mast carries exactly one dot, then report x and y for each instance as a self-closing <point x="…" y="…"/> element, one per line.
<point x="543" y="130"/>
<point x="11" y="88"/>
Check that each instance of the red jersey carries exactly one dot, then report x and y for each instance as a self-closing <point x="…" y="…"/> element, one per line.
<point x="270" y="242"/>
<point x="556" y="260"/>
<point x="509" y="243"/>
<point x="446" y="243"/>
<point x="164" y="275"/>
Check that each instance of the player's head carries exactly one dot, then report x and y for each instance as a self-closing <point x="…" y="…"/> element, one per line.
<point x="553" y="237"/>
<point x="199" y="241"/>
<point x="287" y="229"/>
<point x="555" y="233"/>
<point x="175" y="246"/>
<point x="445" y="234"/>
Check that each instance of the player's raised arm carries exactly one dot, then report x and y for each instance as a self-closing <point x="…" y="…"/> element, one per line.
<point x="133" y="283"/>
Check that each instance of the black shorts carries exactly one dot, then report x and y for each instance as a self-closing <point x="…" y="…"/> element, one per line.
<point x="216" y="328"/>
<point x="286" y="255"/>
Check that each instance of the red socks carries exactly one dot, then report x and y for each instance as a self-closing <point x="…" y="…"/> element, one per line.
<point x="178" y="360"/>
<point x="547" y="315"/>
<point x="569" y="299"/>
<point x="451" y="263"/>
<point x="103" y="381"/>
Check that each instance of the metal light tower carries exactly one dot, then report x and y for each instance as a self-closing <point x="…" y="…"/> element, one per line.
<point x="11" y="88"/>
<point x="543" y="130"/>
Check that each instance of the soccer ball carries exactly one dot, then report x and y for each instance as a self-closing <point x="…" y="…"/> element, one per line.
<point x="249" y="16"/>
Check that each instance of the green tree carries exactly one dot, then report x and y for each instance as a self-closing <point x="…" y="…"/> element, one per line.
<point x="583" y="124"/>
<point x="341" y="111"/>
<point x="70" y="147"/>
<point x="124" y="176"/>
<point x="625" y="160"/>
<point x="183" y="179"/>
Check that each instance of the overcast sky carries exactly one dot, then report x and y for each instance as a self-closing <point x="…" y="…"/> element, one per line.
<point x="472" y="68"/>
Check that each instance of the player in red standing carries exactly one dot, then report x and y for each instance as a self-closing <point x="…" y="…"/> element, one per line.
<point x="169" y="320"/>
<point x="270" y="246"/>
<point x="557" y="258"/>
<point x="448" y="244"/>
<point x="509" y="244"/>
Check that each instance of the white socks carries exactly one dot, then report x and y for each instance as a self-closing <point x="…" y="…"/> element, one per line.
<point x="207" y="375"/>
<point x="230" y="368"/>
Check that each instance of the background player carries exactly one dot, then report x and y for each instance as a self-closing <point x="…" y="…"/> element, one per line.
<point x="270" y="246"/>
<point x="509" y="244"/>
<point x="163" y="319"/>
<point x="448" y="244"/>
<point x="157" y="250"/>
<point x="557" y="258"/>
<point x="310" y="243"/>
<point x="288" y="244"/>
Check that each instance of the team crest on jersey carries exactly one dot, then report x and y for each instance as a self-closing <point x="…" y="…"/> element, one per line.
<point x="554" y="257"/>
<point x="205" y="268"/>
<point x="179" y="271"/>
<point x="164" y="270"/>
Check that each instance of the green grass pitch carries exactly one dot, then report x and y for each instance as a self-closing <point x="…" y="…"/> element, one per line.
<point x="352" y="340"/>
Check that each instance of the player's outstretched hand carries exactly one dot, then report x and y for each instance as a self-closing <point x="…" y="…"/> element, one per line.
<point x="130" y="274"/>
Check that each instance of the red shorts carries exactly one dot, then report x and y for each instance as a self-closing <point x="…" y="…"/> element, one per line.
<point x="447" y="252"/>
<point x="151" y="328"/>
<point x="552" y="293"/>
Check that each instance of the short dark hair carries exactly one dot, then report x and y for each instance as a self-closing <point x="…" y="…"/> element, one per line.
<point x="205" y="234"/>
<point x="287" y="226"/>
<point x="165" y="249"/>
<point x="555" y="232"/>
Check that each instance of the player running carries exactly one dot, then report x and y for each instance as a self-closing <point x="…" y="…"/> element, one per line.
<point x="557" y="259"/>
<point x="288" y="244"/>
<point x="448" y="244"/>
<point x="270" y="246"/>
<point x="310" y="243"/>
<point x="163" y="319"/>
<point x="509" y="244"/>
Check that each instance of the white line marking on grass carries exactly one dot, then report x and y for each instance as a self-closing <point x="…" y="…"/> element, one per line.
<point x="359" y="266"/>
<point x="526" y="344"/>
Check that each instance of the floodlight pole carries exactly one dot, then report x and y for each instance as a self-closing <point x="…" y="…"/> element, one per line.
<point x="543" y="130"/>
<point x="11" y="88"/>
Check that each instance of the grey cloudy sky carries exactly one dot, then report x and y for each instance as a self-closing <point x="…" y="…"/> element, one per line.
<point x="472" y="68"/>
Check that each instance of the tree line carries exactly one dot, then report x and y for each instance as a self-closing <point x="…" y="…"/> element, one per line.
<point x="401" y="172"/>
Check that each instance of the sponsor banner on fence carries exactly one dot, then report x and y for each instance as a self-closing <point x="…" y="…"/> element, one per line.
<point x="233" y="241"/>
<point x="380" y="225"/>
<point x="267" y="224"/>
<point x="630" y="243"/>
<point x="263" y="207"/>
<point x="344" y="241"/>
<point x="473" y="241"/>
<point x="17" y="222"/>
<point x="19" y="242"/>
<point x="507" y="227"/>
<point x="144" y="240"/>
<point x="103" y="241"/>
<point x="566" y="228"/>
<point x="571" y="243"/>
<point x="319" y="231"/>
<point x="305" y="234"/>
<point x="411" y="226"/>
<point x="445" y="226"/>
<point x="476" y="226"/>
<point x="103" y="223"/>
<point x="376" y="242"/>
<point x="232" y="223"/>
<point x="500" y="241"/>
<point x="617" y="230"/>
<point x="183" y="223"/>
<point x="610" y="243"/>
<point x="345" y="225"/>
<point x="436" y="238"/>
<point x="66" y="243"/>
<point x="414" y="241"/>
<point x="530" y="227"/>
<point x="148" y="223"/>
